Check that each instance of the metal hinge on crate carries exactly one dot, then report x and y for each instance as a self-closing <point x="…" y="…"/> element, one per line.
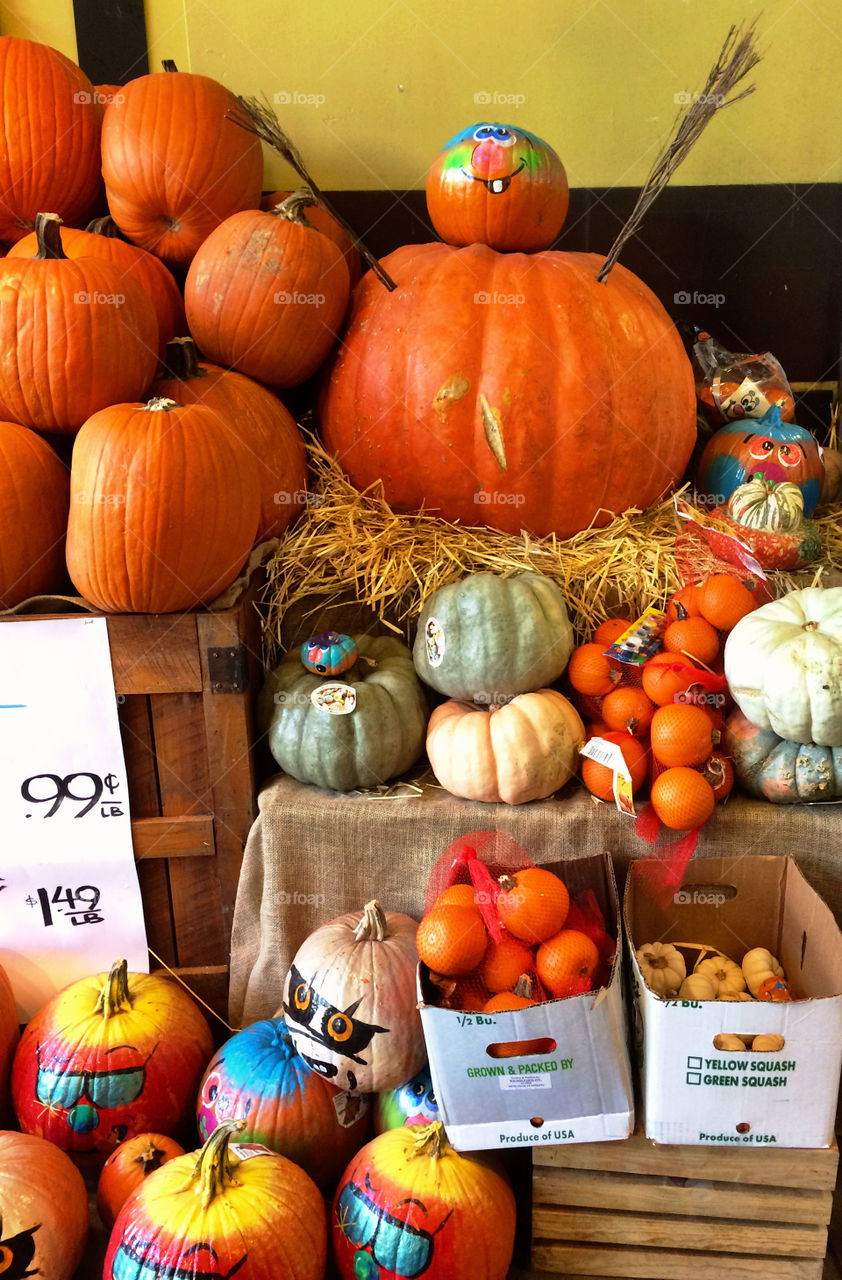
<point x="228" y="668"/>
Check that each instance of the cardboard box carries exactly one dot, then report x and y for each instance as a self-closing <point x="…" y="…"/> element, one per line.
<point x="576" y="1087"/>
<point x="696" y="1094"/>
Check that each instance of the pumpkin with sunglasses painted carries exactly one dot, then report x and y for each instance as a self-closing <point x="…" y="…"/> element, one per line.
<point x="410" y="1206"/>
<point x="231" y="1209"/>
<point x="107" y="1057"/>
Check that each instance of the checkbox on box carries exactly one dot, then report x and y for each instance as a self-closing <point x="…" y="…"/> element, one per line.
<point x="694" y="1064"/>
<point x="694" y="1077"/>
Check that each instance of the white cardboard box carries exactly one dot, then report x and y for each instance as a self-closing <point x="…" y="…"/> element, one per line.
<point x="578" y="1090"/>
<point x="695" y="1094"/>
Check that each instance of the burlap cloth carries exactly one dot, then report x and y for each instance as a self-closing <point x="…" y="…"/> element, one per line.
<point x="312" y="855"/>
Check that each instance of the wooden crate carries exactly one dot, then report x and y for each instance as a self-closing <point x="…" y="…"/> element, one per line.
<point x="647" y="1212"/>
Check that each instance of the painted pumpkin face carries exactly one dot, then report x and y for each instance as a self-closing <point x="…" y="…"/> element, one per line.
<point x="498" y="185"/>
<point x="329" y="654"/>
<point x="412" y="1103"/>
<point x="769" y="447"/>
<point x="44" y="1215"/>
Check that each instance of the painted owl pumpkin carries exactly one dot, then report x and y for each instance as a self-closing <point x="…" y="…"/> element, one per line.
<point x="768" y="447"/>
<point x="44" y="1215"/>
<point x="258" y="1077"/>
<point x="350" y="1002"/>
<point x="107" y="1057"/>
<point x="498" y="185"/>
<point x="413" y="1102"/>
<point x="408" y="1205"/>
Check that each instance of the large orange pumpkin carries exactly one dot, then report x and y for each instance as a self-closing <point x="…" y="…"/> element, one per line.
<point x="49" y="137"/>
<point x="174" y="164"/>
<point x="34" y="499"/>
<point x="511" y="390"/>
<point x="44" y="1214"/>
<point x="163" y="508"/>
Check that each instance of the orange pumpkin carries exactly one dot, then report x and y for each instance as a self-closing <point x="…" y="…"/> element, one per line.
<point x="126" y="1169"/>
<point x="9" y="1038"/>
<point x="44" y="1215"/>
<point x="324" y="221"/>
<point x="34" y="500"/>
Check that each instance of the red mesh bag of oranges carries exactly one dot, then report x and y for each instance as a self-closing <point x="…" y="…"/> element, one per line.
<point x="500" y="933"/>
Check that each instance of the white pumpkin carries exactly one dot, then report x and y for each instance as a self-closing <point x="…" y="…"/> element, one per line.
<point x="662" y="968"/>
<point x="758" y="965"/>
<point x="783" y="664"/>
<point x="728" y="975"/>
<point x="699" y="986"/>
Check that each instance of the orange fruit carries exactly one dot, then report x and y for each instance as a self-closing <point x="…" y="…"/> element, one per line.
<point x="725" y="600"/>
<point x="608" y="631"/>
<point x="451" y="939"/>
<point x="532" y="904"/>
<point x="661" y="684"/>
<point x="682" y="799"/>
<point x="468" y="996"/>
<point x="599" y="778"/>
<point x="628" y="708"/>
<point x="693" y="637"/>
<point x="460" y="895"/>
<point x="719" y="772"/>
<point x="566" y="962"/>
<point x="685" y="603"/>
<point x="596" y="729"/>
<point x="589" y="671"/>
<point x="506" y="1000"/>
<point x="504" y="962"/>
<point x="681" y="734"/>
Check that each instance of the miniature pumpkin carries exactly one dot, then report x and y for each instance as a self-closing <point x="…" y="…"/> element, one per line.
<point x="662" y="968"/>
<point x="767" y="446"/>
<point x="699" y="986"/>
<point x="769" y="518"/>
<point x="783" y="664"/>
<point x="774" y="989"/>
<point x="357" y="731"/>
<point x="450" y="389"/>
<point x="44" y="1215"/>
<point x="758" y="965"/>
<point x="107" y="1057"/>
<point x="350" y="1003"/>
<point x="329" y="653"/>
<point x="229" y="1209"/>
<point x="499" y="185"/>
<point x="413" y="1102"/>
<point x="258" y="1077"/>
<point x="486" y="638"/>
<point x="767" y="1044"/>
<point x="518" y="751"/>
<point x="782" y="772"/>
<point x="727" y="1042"/>
<point x="34" y="502"/>
<point x="126" y="1169"/>
<point x="409" y="1205"/>
<point x="728" y="976"/>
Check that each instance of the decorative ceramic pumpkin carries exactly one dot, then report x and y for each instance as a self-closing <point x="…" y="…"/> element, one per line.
<point x="258" y="1077"/>
<point x="267" y="293"/>
<point x="164" y="508"/>
<point x="128" y="1166"/>
<point x="324" y="221"/>
<point x="783" y="664"/>
<point x="451" y="389"/>
<point x="518" y="751"/>
<point x="34" y="501"/>
<point x="44" y="1215"/>
<point x="768" y="447"/>
<point x="350" y="1003"/>
<point x="413" y="1102"/>
<point x="231" y="1209"/>
<point x="487" y="638"/>
<point x="783" y="772"/>
<point x="355" y="731"/>
<point x="76" y="335"/>
<point x="409" y="1205"/>
<point x="329" y="654"/>
<point x="49" y="155"/>
<point x="175" y="165"/>
<point x="258" y="420"/>
<point x="499" y="185"/>
<point x="769" y="518"/>
<point x="662" y="967"/>
<point x="107" y="1057"/>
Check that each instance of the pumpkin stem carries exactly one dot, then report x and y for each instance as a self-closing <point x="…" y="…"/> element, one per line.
<point x="182" y="360"/>
<point x="430" y="1139"/>
<point x="48" y="233"/>
<point x="214" y="1169"/>
<point x="106" y="227"/>
<point x="114" y="996"/>
<point x="160" y="404"/>
<point x="292" y="208"/>
<point x="372" y="925"/>
<point x="169" y="65"/>
<point x="507" y="883"/>
<point x="150" y="1158"/>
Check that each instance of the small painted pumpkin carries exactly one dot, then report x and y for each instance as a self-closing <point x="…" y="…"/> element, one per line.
<point x="783" y="772"/>
<point x="231" y="1209"/>
<point x="497" y="184"/>
<point x="126" y="1169"/>
<point x="350" y="1003"/>
<point x="107" y="1057"/>
<point x="767" y="446"/>
<point x="409" y="1205"/>
<point x="44" y="1215"/>
<point x="329" y="654"/>
<point x="486" y="638"/>
<point x="258" y="1077"/>
<point x="413" y="1102"/>
<point x="769" y="517"/>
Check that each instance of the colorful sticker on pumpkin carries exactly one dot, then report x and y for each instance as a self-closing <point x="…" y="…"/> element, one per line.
<point x="609" y="754"/>
<point x="350" y="1107"/>
<point x="434" y="639"/>
<point x="337" y="699"/>
<point x="641" y="640"/>
<point x="248" y="1150"/>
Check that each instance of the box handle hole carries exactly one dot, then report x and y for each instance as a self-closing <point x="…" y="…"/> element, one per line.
<point x="521" y="1048"/>
<point x="737" y="1042"/>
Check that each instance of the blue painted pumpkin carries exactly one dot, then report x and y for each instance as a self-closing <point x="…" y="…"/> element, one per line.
<point x="329" y="654"/>
<point x="766" y="446"/>
<point x="783" y="772"/>
<point x="413" y="1102"/>
<point x="258" y="1076"/>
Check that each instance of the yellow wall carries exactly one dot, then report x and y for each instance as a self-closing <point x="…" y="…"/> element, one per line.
<point x="369" y="90"/>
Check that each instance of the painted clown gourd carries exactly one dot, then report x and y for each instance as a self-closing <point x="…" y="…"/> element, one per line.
<point x="413" y="1102"/>
<point x="107" y="1057"/>
<point x="350" y="1003"/>
<point x="44" y="1214"/>
<point x="767" y="447"/>
<point x="408" y="1205"/>
<point x="258" y="1077"/>
<point x="497" y="184"/>
<point x="329" y="653"/>
<point x="231" y="1209"/>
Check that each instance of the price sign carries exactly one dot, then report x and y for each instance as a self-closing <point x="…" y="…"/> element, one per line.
<point x="70" y="900"/>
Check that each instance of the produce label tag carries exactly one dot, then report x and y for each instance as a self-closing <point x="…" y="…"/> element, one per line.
<point x="70" y="900"/>
<point x="434" y="640"/>
<point x="350" y="1107"/>
<point x="335" y="698"/>
<point x="248" y="1150"/>
<point x="748" y="401"/>
<point x="641" y="640"/>
<point x="609" y="754"/>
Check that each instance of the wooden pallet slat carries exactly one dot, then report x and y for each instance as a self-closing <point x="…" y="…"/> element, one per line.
<point x="664" y="1264"/>
<point x="190" y="836"/>
<point x="154" y="653"/>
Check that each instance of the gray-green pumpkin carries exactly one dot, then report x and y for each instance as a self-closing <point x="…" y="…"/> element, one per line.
<point x="354" y="730"/>
<point x="488" y="638"/>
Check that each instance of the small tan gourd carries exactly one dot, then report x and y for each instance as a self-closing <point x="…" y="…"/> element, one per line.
<point x="728" y="975"/>
<point x="728" y="1042"/>
<point x="767" y="1044"/>
<point x="758" y="965"/>
<point x="662" y="967"/>
<point x="698" y="986"/>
